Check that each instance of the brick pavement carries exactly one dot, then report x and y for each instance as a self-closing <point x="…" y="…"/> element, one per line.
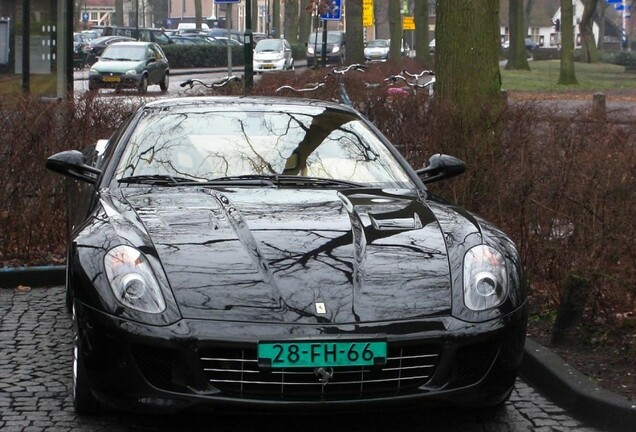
<point x="35" y="382"/>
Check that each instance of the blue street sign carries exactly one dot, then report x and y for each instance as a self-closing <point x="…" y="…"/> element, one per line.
<point x="622" y="7"/>
<point x="335" y="12"/>
<point x="614" y="1"/>
<point x="85" y="16"/>
<point x="226" y="1"/>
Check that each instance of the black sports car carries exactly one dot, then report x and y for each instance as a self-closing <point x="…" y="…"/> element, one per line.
<point x="281" y="253"/>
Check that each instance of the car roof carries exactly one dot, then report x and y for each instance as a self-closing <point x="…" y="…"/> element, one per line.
<point x="249" y="103"/>
<point x="134" y="43"/>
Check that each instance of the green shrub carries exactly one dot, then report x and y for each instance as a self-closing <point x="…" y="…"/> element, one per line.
<point x="546" y="54"/>
<point x="202" y="56"/>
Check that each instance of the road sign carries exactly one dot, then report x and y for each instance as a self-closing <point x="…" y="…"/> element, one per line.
<point x="334" y="13"/>
<point x="226" y="1"/>
<point x="85" y="16"/>
<point x="408" y="23"/>
<point x="367" y="13"/>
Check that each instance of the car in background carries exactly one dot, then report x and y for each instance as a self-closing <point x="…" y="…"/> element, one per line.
<point x="223" y="41"/>
<point x="130" y="65"/>
<point x="146" y="34"/>
<point x="262" y="253"/>
<point x="81" y="49"/>
<point x="335" y="48"/>
<point x="189" y="39"/>
<point x="273" y="54"/>
<point x="98" y="45"/>
<point x="530" y="44"/>
<point x="377" y="50"/>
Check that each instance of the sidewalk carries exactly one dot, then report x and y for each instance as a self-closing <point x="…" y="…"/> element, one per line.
<point x="541" y="368"/>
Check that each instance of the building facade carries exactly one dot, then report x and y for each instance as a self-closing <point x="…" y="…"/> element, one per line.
<point x="36" y="47"/>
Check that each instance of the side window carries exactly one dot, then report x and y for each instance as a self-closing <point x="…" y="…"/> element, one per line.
<point x="144" y="35"/>
<point x="160" y="38"/>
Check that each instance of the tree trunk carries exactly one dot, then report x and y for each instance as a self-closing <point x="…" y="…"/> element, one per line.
<point x="420" y="16"/>
<point x="566" y="73"/>
<point x="291" y="21"/>
<point x="517" y="53"/>
<point x="198" y="14"/>
<point x="602" y="8"/>
<point x="467" y="89"/>
<point x="467" y="61"/>
<point x="254" y="16"/>
<point x="304" y="24"/>
<point x="589" y="52"/>
<point x="355" y="32"/>
<point x="395" y="29"/>
<point x="528" y="14"/>
<point x="276" y="30"/>
<point x="119" y="13"/>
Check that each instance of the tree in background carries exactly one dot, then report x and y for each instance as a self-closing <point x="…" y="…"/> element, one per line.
<point x="304" y="23"/>
<point x="119" y="13"/>
<point x="355" y="32"/>
<point x="467" y="60"/>
<point x="528" y="14"/>
<point x="602" y="8"/>
<point x="589" y="51"/>
<point x="291" y="21"/>
<point x="395" y="29"/>
<point x="420" y="15"/>
<point x="198" y="14"/>
<point x="517" y="54"/>
<point x="566" y="73"/>
<point x="276" y="30"/>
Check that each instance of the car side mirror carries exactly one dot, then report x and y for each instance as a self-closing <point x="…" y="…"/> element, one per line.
<point x="441" y="166"/>
<point x="72" y="163"/>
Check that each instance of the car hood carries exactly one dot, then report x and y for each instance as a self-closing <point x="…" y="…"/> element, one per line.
<point x="116" y="66"/>
<point x="296" y="256"/>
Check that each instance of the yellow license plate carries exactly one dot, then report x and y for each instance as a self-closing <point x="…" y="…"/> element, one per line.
<point x="111" y="79"/>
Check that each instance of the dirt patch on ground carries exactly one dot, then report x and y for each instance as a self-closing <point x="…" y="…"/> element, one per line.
<point x="609" y="359"/>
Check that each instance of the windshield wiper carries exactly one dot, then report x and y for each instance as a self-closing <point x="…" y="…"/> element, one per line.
<point x="283" y="180"/>
<point x="317" y="182"/>
<point x="156" y="179"/>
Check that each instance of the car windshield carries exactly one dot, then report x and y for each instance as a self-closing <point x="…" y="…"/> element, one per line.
<point x="332" y="38"/>
<point x="204" y="144"/>
<point x="378" y="44"/>
<point x="269" y="45"/>
<point x="124" y="52"/>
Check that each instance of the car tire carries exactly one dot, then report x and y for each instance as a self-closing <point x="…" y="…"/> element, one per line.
<point x="83" y="400"/>
<point x="165" y="82"/>
<point x="143" y="84"/>
<point x="292" y="66"/>
<point x="92" y="86"/>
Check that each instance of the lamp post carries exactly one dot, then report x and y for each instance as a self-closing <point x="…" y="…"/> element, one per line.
<point x="248" y="52"/>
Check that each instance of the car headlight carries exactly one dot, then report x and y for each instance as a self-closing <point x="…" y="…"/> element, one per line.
<point x="335" y="49"/>
<point x="485" y="278"/>
<point x="131" y="72"/>
<point x="93" y="71"/>
<point x="132" y="280"/>
<point x="310" y="49"/>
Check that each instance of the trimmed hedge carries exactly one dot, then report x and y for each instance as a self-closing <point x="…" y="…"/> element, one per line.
<point x="204" y="56"/>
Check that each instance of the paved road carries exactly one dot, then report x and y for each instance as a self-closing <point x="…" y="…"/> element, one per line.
<point x="35" y="380"/>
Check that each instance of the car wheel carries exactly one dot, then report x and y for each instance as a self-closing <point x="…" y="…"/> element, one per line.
<point x="92" y="86"/>
<point x="165" y="83"/>
<point x="292" y="66"/>
<point x="83" y="400"/>
<point x="143" y="84"/>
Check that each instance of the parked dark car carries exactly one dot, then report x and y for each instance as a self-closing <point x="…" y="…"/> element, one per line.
<point x="145" y="34"/>
<point x="130" y="65"/>
<point x="98" y="45"/>
<point x="335" y="48"/>
<point x="280" y="253"/>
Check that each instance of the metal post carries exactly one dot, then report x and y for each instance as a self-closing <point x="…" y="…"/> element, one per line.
<point x="248" y="54"/>
<point x="26" y="50"/>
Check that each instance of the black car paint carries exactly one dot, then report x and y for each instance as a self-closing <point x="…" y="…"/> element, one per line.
<point x="270" y="242"/>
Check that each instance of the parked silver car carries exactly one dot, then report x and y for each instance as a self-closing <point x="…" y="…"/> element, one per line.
<point x="273" y="54"/>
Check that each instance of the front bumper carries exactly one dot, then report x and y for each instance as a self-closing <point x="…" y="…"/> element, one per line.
<point x="203" y="364"/>
<point x="119" y="81"/>
<point x="267" y="65"/>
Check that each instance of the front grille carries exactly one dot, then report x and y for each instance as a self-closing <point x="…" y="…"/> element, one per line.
<point x="236" y="373"/>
